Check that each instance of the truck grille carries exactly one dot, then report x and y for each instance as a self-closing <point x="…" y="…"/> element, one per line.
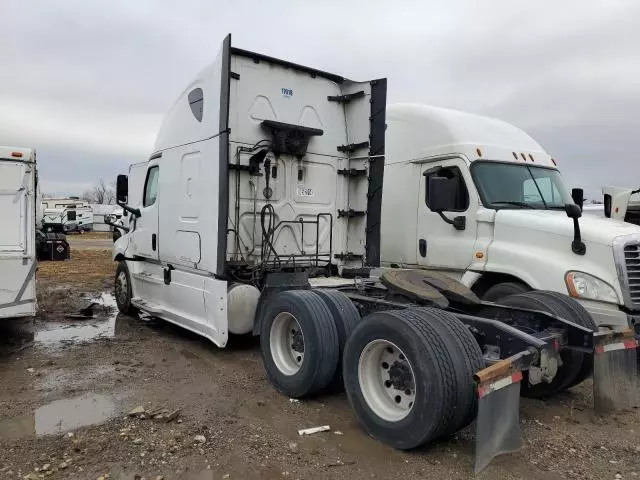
<point x="632" y="264"/>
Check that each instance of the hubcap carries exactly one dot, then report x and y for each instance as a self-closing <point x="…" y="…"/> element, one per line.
<point x="386" y="380"/>
<point x="121" y="288"/>
<point x="286" y="341"/>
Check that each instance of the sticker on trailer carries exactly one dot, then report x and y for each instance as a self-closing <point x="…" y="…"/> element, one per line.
<point x="286" y="92"/>
<point x="305" y="192"/>
<point x="60" y="249"/>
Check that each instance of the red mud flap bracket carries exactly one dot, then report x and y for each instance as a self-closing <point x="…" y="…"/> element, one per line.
<point x="615" y="371"/>
<point x="498" y="422"/>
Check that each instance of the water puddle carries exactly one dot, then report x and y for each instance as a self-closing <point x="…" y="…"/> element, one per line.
<point x="77" y="331"/>
<point x="59" y="417"/>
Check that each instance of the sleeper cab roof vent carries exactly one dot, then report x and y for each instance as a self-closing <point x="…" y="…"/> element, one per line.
<point x="288" y="138"/>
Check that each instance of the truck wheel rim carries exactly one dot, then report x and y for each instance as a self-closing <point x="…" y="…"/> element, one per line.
<point x="287" y="343"/>
<point x="121" y="288"/>
<point x="386" y="380"/>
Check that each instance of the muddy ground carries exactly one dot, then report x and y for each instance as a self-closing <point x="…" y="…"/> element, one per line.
<point x="65" y="399"/>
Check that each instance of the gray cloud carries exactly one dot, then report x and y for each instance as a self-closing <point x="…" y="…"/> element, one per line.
<point x="87" y="82"/>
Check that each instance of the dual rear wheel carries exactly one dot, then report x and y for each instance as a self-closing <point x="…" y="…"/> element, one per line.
<point x="408" y="374"/>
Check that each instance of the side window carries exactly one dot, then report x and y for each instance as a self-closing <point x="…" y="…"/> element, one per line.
<point x="455" y="176"/>
<point x="151" y="187"/>
<point x="196" y="102"/>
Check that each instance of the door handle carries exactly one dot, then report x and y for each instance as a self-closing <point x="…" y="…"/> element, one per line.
<point x="153" y="242"/>
<point x="422" y="247"/>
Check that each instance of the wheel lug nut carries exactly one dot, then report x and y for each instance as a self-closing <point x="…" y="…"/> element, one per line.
<point x="387" y="383"/>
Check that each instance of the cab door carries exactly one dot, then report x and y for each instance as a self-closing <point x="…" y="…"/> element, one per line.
<point x="145" y="236"/>
<point x="440" y="244"/>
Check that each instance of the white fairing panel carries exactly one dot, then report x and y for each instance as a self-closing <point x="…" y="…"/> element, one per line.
<point x="301" y="188"/>
<point x="17" y="235"/>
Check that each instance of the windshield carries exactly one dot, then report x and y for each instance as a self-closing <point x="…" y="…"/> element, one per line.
<point x="507" y="185"/>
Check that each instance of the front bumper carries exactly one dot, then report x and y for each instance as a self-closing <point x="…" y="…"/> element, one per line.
<point x="610" y="315"/>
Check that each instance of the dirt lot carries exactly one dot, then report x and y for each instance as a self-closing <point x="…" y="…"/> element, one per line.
<point x="65" y="397"/>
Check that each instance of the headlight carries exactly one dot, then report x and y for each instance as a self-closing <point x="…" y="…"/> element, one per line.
<point x="583" y="285"/>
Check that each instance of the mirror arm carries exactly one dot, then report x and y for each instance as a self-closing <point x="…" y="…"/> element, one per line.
<point x="577" y="246"/>
<point x="458" y="223"/>
<point x="121" y="227"/>
<point x="450" y="222"/>
<point x="133" y="211"/>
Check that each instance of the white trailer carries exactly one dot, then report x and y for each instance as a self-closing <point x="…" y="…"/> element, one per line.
<point x="18" y="217"/>
<point x="265" y="188"/>
<point x="69" y="217"/>
<point x="503" y="229"/>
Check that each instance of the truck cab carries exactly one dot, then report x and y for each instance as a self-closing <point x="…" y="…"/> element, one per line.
<point x="480" y="200"/>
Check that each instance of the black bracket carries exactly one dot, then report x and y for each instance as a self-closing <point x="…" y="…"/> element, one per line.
<point x="244" y="168"/>
<point x="346" y="98"/>
<point x="351" y="213"/>
<point x="353" y="172"/>
<point x="348" y="256"/>
<point x="167" y="274"/>
<point x="234" y="75"/>
<point x="352" y="147"/>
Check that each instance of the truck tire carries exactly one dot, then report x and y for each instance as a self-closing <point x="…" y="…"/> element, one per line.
<point x="469" y="361"/>
<point x="502" y="290"/>
<point x="346" y="317"/>
<point x="571" y="360"/>
<point x="123" y="291"/>
<point x="576" y="313"/>
<point x="299" y="343"/>
<point x="399" y="378"/>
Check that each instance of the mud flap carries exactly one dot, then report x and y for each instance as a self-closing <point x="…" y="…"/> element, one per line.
<point x="498" y="422"/>
<point x="616" y="385"/>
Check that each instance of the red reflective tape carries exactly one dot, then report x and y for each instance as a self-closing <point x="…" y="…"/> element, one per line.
<point x="599" y="349"/>
<point x="516" y="377"/>
<point x="630" y="343"/>
<point x="482" y="392"/>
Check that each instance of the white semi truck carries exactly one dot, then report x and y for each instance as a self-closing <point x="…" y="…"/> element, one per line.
<point x="259" y="212"/>
<point x="500" y="225"/>
<point x="19" y="214"/>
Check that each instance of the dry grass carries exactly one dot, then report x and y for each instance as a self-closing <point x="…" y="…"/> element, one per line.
<point x="88" y="269"/>
<point x="90" y="236"/>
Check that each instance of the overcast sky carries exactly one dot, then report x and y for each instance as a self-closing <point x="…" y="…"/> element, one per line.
<point x="87" y="82"/>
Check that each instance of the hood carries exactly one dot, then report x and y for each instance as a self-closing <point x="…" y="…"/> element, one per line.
<point x="555" y="222"/>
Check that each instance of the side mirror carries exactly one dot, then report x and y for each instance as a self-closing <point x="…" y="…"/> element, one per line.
<point x="577" y="194"/>
<point x="442" y="194"/>
<point x="122" y="189"/>
<point x="573" y="210"/>
<point x="607" y="205"/>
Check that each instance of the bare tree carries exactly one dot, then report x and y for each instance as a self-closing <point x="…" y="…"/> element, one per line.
<point x="101" y="193"/>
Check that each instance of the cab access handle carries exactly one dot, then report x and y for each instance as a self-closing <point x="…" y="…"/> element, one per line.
<point x="153" y="241"/>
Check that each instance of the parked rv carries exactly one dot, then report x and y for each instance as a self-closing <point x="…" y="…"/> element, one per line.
<point x="481" y="201"/>
<point x="259" y="212"/>
<point x="67" y="215"/>
<point x="19" y="212"/>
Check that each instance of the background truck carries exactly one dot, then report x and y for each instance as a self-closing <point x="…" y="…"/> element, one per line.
<point x="259" y="212"/>
<point x="501" y="226"/>
<point x="19" y="212"/>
